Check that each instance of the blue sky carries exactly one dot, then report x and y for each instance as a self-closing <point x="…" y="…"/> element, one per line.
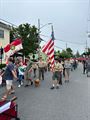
<point x="69" y="18"/>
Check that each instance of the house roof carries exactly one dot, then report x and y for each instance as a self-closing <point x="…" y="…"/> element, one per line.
<point x="3" y="25"/>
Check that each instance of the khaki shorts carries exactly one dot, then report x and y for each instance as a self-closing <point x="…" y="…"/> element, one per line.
<point x="9" y="83"/>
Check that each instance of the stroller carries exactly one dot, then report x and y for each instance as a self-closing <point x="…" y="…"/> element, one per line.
<point x="9" y="109"/>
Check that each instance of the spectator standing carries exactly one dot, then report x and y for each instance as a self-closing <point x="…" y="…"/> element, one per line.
<point x="21" y="70"/>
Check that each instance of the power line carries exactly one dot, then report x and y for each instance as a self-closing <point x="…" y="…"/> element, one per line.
<point x="65" y="41"/>
<point x="8" y="22"/>
<point x="54" y="45"/>
<point x="45" y="35"/>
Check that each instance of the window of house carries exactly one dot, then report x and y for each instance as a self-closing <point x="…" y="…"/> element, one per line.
<point x="1" y="33"/>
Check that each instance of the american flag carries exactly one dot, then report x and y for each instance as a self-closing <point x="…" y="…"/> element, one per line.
<point x="48" y="49"/>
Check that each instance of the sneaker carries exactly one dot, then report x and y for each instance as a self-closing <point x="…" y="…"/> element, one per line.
<point x="21" y="83"/>
<point x="52" y="87"/>
<point x="19" y="86"/>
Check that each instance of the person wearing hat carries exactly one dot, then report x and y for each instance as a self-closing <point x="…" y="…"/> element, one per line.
<point x="56" y="73"/>
<point x="27" y="74"/>
<point x="41" y="66"/>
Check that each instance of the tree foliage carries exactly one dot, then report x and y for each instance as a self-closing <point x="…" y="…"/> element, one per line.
<point x="64" y="54"/>
<point x="28" y="35"/>
<point x="70" y="52"/>
<point x="87" y="52"/>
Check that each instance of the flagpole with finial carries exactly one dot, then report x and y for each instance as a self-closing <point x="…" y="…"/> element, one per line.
<point x="53" y="38"/>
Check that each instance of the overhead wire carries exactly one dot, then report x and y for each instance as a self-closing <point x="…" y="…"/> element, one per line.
<point x="48" y="36"/>
<point x="8" y="22"/>
<point x="64" y="41"/>
<point x="54" y="45"/>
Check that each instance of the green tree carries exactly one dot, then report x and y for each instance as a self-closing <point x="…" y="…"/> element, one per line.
<point x="88" y="51"/>
<point x="57" y="54"/>
<point x="28" y="35"/>
<point x="69" y="51"/>
<point x="13" y="34"/>
<point x="64" y="54"/>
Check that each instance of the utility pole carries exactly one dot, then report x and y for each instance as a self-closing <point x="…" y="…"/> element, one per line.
<point x="86" y="47"/>
<point x="39" y="31"/>
<point x="88" y="27"/>
<point x="39" y="38"/>
<point x="52" y="33"/>
<point x="66" y="46"/>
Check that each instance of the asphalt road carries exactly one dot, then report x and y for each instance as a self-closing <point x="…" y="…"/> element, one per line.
<point x="70" y="102"/>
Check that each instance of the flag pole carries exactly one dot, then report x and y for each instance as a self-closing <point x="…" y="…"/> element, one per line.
<point x="53" y="38"/>
<point x="39" y="37"/>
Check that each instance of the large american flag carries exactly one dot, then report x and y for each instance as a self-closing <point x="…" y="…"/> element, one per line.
<point x="48" y="49"/>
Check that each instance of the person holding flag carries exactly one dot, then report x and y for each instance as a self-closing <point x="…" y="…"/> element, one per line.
<point x="48" y="49"/>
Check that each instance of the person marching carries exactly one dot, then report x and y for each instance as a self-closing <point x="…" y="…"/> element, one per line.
<point x="10" y="73"/>
<point x="41" y="66"/>
<point x="34" y="67"/>
<point x="60" y="73"/>
<point x="56" y="73"/>
<point x="27" y="74"/>
<point x="84" y="66"/>
<point x="67" y="66"/>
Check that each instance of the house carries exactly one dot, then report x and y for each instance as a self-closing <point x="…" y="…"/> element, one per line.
<point x="4" y="36"/>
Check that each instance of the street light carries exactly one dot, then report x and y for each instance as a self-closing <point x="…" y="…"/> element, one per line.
<point x="39" y="28"/>
<point x="45" y="25"/>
